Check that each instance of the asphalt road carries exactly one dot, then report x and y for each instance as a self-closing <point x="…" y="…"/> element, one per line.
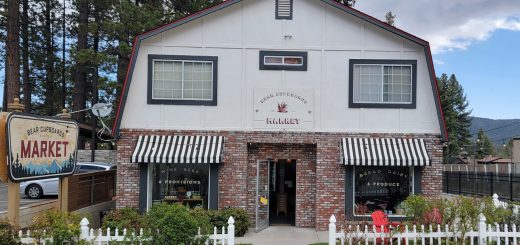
<point x="23" y="199"/>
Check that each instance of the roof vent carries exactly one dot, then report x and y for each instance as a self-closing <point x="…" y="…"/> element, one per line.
<point x="284" y="9"/>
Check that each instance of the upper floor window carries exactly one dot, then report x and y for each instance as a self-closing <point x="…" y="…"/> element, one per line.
<point x="383" y="83"/>
<point x="183" y="80"/>
<point x="283" y="60"/>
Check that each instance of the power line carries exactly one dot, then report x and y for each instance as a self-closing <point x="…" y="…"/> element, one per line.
<point x="504" y="126"/>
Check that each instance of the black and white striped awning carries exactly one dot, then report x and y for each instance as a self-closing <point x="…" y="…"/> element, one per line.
<point x="384" y="152"/>
<point x="178" y="149"/>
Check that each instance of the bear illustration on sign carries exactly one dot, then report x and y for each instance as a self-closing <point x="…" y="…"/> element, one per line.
<point x="282" y="107"/>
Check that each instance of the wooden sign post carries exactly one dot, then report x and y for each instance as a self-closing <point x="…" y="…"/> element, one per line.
<point x="63" y="182"/>
<point x="13" y="189"/>
<point x="38" y="147"/>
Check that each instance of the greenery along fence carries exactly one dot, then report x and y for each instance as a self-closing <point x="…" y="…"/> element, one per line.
<point x="484" y="234"/>
<point x="455" y="220"/>
<point x="506" y="185"/>
<point x="100" y="236"/>
<point x="162" y="224"/>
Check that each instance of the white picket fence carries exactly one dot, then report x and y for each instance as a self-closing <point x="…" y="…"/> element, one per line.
<point x="500" y="234"/>
<point x="486" y="234"/>
<point x="503" y="204"/>
<point x="100" y="237"/>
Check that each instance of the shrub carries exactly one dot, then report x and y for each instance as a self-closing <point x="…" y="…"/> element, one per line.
<point x="468" y="210"/>
<point x="175" y="224"/>
<point x="8" y="233"/>
<point x="495" y="214"/>
<point x="125" y="218"/>
<point x="220" y="218"/>
<point x="62" y="226"/>
<point x="415" y="206"/>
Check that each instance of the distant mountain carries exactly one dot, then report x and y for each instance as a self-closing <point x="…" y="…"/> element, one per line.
<point x="498" y="130"/>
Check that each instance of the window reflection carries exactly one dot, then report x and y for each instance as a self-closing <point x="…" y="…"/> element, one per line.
<point x="380" y="188"/>
<point x="181" y="183"/>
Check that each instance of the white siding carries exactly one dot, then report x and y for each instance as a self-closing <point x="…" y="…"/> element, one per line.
<point x="237" y="33"/>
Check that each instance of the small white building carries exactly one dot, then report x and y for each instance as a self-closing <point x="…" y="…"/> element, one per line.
<point x="292" y="110"/>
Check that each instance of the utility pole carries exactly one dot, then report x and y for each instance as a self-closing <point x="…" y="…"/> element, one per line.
<point x="93" y="144"/>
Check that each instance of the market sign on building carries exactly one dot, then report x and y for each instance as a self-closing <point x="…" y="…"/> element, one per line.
<point x="40" y="147"/>
<point x="283" y="109"/>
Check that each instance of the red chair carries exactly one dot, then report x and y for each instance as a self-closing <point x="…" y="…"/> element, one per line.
<point x="379" y="220"/>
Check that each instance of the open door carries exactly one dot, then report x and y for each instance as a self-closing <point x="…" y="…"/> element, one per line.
<point x="262" y="194"/>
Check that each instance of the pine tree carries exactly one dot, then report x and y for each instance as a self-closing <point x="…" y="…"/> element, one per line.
<point x="505" y="150"/>
<point x="3" y="18"/>
<point x="456" y="114"/>
<point x="12" y="67"/>
<point x="27" y="88"/>
<point x="43" y="25"/>
<point x="484" y="145"/>
<point x="390" y="18"/>
<point x="80" y="76"/>
<point x="349" y="3"/>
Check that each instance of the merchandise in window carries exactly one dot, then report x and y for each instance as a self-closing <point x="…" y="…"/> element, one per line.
<point x="186" y="184"/>
<point x="381" y="188"/>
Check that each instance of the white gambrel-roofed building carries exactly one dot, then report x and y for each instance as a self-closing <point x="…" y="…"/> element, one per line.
<point x="291" y="109"/>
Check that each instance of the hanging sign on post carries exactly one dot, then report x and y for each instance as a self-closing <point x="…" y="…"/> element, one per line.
<point x="40" y="147"/>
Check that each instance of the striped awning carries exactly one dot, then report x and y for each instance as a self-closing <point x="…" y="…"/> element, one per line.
<point x="178" y="149"/>
<point x="384" y="152"/>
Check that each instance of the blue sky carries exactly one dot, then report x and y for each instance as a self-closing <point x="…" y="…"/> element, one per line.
<point x="477" y="40"/>
<point x="489" y="71"/>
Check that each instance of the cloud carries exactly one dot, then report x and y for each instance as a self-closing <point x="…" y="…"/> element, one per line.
<point x="448" y="24"/>
<point x="438" y="62"/>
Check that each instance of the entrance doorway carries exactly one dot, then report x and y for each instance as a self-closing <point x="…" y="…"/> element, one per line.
<point x="282" y="192"/>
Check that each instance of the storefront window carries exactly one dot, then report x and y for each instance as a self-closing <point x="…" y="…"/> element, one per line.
<point x="381" y="188"/>
<point x="186" y="184"/>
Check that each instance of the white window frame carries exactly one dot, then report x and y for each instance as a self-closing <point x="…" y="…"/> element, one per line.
<point x="182" y="78"/>
<point x="381" y="97"/>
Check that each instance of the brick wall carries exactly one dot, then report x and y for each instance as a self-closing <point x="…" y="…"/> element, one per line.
<point x="320" y="177"/>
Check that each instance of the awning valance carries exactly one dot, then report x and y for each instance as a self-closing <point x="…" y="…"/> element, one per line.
<point x="383" y="152"/>
<point x="178" y="149"/>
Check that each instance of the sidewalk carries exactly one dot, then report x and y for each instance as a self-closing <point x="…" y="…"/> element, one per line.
<point x="284" y="235"/>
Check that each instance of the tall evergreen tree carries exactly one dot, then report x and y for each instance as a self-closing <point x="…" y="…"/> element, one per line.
<point x="43" y="25"/>
<point x="50" y="100"/>
<point x="27" y="88"/>
<point x="349" y="3"/>
<point x="456" y="114"/>
<point x="12" y="68"/>
<point x="505" y="150"/>
<point x="3" y="17"/>
<point x="390" y="18"/>
<point x="484" y="145"/>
